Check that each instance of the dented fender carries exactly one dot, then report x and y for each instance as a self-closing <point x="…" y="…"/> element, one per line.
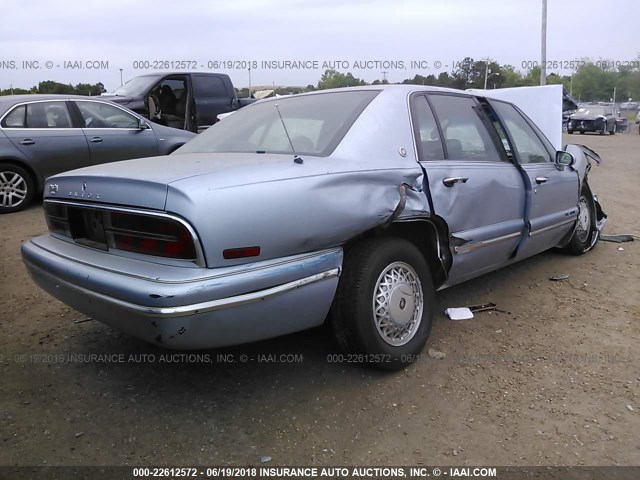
<point x="584" y="158"/>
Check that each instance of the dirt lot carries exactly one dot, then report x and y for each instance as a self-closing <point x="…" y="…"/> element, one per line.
<point x="555" y="381"/>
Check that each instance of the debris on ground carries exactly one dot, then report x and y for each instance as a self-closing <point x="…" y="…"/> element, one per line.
<point x="436" y="354"/>
<point x="466" y="313"/>
<point x="620" y="249"/>
<point x="616" y="238"/>
<point x="557" y="278"/>
<point x="461" y="313"/>
<point x="82" y="320"/>
<point x="265" y="459"/>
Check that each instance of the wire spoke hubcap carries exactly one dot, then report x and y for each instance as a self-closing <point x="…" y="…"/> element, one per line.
<point x="398" y="304"/>
<point x="584" y="220"/>
<point x="13" y="189"/>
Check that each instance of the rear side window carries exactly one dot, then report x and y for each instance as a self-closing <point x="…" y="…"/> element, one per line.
<point x="427" y="134"/>
<point x="39" y="115"/>
<point x="315" y="123"/>
<point x="15" y="118"/>
<point x="465" y="136"/>
<point x="208" y="86"/>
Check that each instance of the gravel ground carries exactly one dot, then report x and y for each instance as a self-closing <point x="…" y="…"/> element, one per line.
<point x="553" y="382"/>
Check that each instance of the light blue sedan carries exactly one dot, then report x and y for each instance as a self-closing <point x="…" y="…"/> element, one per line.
<point x="351" y="206"/>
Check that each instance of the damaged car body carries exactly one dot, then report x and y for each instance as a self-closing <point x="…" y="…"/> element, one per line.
<point x="351" y="206"/>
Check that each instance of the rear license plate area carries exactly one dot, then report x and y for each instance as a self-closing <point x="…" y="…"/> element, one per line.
<point x="87" y="227"/>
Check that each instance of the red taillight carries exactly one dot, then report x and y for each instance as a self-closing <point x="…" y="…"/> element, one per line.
<point x="106" y="229"/>
<point x="242" y="252"/>
<point x="149" y="235"/>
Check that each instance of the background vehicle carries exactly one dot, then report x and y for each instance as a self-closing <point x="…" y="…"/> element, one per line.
<point x="190" y="101"/>
<point x="593" y="118"/>
<point x="41" y="135"/>
<point x="356" y="204"/>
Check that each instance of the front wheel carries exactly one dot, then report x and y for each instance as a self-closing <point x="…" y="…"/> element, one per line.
<point x="16" y="188"/>
<point x="570" y="132"/>
<point x="613" y="130"/>
<point x="583" y="235"/>
<point x="383" y="309"/>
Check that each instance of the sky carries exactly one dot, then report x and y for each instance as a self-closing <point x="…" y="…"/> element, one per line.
<point x="38" y="37"/>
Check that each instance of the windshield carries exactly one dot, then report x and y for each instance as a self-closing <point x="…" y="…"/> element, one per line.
<point x="136" y="86"/>
<point x="315" y="124"/>
<point x="592" y="110"/>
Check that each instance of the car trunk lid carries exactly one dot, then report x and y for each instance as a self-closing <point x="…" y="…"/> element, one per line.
<point x="145" y="182"/>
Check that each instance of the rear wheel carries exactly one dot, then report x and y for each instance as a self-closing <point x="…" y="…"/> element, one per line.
<point x="16" y="188"/>
<point x="383" y="309"/>
<point x="570" y="132"/>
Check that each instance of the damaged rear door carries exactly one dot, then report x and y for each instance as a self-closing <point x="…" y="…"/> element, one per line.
<point x="473" y="186"/>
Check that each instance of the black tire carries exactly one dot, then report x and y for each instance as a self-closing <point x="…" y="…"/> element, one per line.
<point x="16" y="188"/>
<point x="613" y="130"/>
<point x="583" y="235"/>
<point x="581" y="132"/>
<point x="570" y="132"/>
<point x="353" y="318"/>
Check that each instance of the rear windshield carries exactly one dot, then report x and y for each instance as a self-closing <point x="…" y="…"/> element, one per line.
<point x="315" y="124"/>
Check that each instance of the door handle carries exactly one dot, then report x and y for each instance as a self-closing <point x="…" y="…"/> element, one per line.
<point x="451" y="181"/>
<point x="96" y="139"/>
<point x="27" y="141"/>
<point x="540" y="180"/>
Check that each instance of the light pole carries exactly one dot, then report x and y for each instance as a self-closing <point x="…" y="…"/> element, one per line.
<point x="249" y="82"/>
<point x="121" y="77"/>
<point x="488" y="74"/>
<point x="543" y="66"/>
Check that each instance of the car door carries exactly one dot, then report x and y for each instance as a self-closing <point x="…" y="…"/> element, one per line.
<point x="211" y="98"/>
<point x="113" y="133"/>
<point x="472" y="186"/>
<point x="43" y="131"/>
<point x="552" y="190"/>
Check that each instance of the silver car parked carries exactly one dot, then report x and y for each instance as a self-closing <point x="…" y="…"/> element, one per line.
<point x="353" y="205"/>
<point x="41" y="135"/>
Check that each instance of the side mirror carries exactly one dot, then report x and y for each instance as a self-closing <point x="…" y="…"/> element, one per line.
<point x="564" y="159"/>
<point x="142" y="124"/>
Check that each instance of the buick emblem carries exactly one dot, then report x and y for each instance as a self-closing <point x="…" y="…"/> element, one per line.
<point x="53" y="188"/>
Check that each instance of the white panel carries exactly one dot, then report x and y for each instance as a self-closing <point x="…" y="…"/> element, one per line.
<point x="543" y="105"/>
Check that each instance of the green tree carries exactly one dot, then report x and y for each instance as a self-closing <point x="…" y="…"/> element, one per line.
<point x="335" y="79"/>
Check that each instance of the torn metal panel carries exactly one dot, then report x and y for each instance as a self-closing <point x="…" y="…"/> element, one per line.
<point x="584" y="157"/>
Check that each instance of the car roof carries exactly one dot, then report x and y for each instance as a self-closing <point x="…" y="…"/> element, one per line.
<point x="43" y="96"/>
<point x="34" y="97"/>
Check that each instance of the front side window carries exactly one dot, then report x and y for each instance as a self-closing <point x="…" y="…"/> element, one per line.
<point x="528" y="146"/>
<point x="465" y="136"/>
<point x="315" y="123"/>
<point x="103" y="115"/>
